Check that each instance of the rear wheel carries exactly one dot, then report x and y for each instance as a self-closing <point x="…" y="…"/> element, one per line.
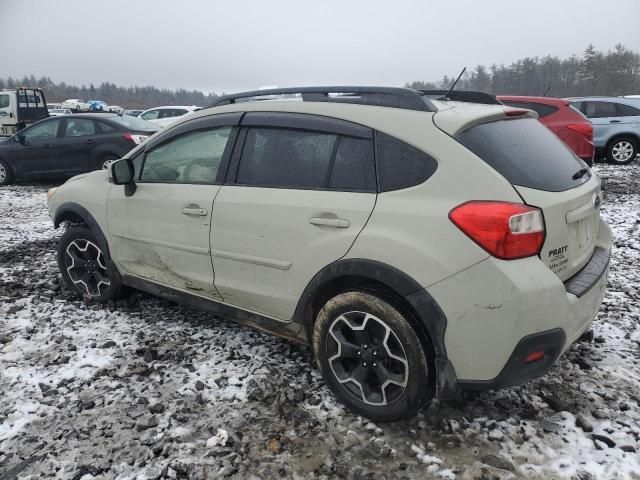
<point x="622" y="150"/>
<point x="6" y="177"/>
<point x="105" y="161"/>
<point x="371" y="357"/>
<point x="86" y="268"/>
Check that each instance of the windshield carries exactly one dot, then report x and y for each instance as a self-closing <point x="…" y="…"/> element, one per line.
<point x="526" y="153"/>
<point x="135" y="123"/>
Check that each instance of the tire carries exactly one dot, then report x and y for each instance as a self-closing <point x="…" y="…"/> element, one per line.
<point x="85" y="268"/>
<point x="105" y="161"/>
<point x="622" y="150"/>
<point x="6" y="176"/>
<point x="359" y="338"/>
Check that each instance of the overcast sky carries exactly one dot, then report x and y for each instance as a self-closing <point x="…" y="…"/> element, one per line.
<point x="235" y="45"/>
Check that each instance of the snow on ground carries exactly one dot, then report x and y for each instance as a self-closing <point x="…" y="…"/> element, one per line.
<point x="146" y="389"/>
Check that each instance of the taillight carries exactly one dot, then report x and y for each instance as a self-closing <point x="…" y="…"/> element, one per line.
<point x="585" y="129"/>
<point x="505" y="230"/>
<point x="137" y="139"/>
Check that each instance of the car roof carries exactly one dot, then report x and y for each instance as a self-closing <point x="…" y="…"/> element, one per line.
<point x="167" y="107"/>
<point x="95" y="116"/>
<point x="626" y="101"/>
<point x="558" y="102"/>
<point x="453" y="116"/>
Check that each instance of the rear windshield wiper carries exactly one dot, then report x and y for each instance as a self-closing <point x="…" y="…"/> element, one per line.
<point x="580" y="173"/>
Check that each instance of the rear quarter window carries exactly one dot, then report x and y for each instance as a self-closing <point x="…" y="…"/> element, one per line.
<point x="401" y="165"/>
<point x="526" y="153"/>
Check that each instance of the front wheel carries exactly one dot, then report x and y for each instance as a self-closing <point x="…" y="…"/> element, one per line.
<point x="86" y="268"/>
<point x="371" y="357"/>
<point x="622" y="150"/>
<point x="5" y="173"/>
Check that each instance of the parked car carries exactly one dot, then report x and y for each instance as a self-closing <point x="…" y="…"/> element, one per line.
<point x="616" y="126"/>
<point x="165" y="116"/>
<point x="56" y="112"/>
<point x="133" y="113"/>
<point x="409" y="279"/>
<point x="68" y="145"/>
<point x="561" y="118"/>
<point x="76" y="105"/>
<point x="116" y="109"/>
<point x="54" y="106"/>
<point x="97" y="106"/>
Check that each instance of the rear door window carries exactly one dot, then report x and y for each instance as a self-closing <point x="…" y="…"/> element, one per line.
<point x="526" y="153"/>
<point x="600" y="109"/>
<point x="353" y="167"/>
<point x="79" y="127"/>
<point x="286" y="158"/>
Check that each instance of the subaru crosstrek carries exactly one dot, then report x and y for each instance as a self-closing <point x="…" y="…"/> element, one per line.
<point x="421" y="247"/>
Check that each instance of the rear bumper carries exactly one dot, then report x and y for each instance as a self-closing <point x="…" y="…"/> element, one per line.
<point x="498" y="311"/>
<point x="517" y="370"/>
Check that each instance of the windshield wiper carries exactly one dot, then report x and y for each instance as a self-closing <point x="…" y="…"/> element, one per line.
<point x="580" y="173"/>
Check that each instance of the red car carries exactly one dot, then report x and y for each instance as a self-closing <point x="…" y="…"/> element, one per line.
<point x="561" y="118"/>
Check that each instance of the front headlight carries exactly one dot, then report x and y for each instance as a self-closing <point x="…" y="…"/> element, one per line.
<point x="50" y="193"/>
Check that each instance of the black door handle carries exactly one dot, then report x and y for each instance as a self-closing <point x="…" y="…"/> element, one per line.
<point x="614" y="121"/>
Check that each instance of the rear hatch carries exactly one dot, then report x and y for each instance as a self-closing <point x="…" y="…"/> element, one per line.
<point x="546" y="174"/>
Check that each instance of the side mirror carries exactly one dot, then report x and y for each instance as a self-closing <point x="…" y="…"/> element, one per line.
<point x="21" y="139"/>
<point x="121" y="172"/>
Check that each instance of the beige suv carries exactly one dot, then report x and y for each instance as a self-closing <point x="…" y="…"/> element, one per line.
<point x="420" y="246"/>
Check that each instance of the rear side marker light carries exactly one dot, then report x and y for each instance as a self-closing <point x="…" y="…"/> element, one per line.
<point x="534" y="356"/>
<point x="506" y="230"/>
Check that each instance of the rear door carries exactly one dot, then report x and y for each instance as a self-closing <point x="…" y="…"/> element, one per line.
<point x="547" y="175"/>
<point x="79" y="137"/>
<point x="605" y="118"/>
<point x="300" y="189"/>
<point x="161" y="232"/>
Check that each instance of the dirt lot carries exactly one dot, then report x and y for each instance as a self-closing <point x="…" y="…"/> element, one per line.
<point x="149" y="389"/>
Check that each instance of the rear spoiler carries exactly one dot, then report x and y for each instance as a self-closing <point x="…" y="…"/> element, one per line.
<point x="469" y="96"/>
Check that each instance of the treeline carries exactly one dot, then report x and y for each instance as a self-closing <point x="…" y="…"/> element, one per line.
<point x="128" y="97"/>
<point x="616" y="72"/>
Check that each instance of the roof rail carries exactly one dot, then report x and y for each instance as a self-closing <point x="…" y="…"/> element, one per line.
<point x="379" y="96"/>
<point x="470" y="96"/>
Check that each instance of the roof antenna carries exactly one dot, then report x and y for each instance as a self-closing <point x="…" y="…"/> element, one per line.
<point x="547" y="90"/>
<point x="453" y="85"/>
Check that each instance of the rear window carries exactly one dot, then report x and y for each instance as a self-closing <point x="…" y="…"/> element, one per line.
<point x="526" y="153"/>
<point x="135" y="123"/>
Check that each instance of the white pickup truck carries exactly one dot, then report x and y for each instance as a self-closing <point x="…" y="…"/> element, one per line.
<point x="21" y="107"/>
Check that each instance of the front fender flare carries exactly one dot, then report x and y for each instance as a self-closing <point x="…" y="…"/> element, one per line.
<point x="83" y="213"/>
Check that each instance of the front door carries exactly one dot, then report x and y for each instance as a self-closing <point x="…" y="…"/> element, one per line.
<point x="37" y="155"/>
<point x="161" y="232"/>
<point x="297" y="196"/>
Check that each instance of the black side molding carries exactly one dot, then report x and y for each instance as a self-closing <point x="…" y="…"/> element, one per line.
<point x="590" y="274"/>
